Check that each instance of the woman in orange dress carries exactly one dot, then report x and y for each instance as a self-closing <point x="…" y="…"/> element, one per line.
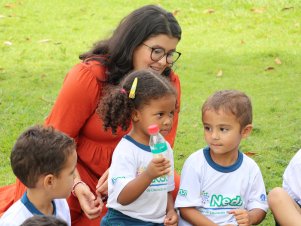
<point x="145" y="39"/>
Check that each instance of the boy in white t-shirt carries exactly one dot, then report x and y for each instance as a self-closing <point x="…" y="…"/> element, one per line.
<point x="44" y="160"/>
<point x="219" y="184"/>
<point x="285" y="203"/>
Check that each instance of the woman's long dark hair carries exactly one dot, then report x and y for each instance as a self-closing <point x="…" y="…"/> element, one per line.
<point x="116" y="53"/>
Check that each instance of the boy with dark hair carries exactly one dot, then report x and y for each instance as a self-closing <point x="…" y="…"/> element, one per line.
<point x="219" y="184"/>
<point x="44" y="160"/>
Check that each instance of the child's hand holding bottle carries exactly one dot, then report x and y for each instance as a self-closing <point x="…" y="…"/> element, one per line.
<point x="158" y="167"/>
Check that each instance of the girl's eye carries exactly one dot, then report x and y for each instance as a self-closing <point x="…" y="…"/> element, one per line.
<point x="224" y="129"/>
<point x="207" y="128"/>
<point x="160" y="114"/>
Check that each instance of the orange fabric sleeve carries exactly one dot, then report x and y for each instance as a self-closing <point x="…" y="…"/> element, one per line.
<point x="76" y="101"/>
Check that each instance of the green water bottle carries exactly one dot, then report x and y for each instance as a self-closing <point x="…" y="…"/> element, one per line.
<point x="157" y="142"/>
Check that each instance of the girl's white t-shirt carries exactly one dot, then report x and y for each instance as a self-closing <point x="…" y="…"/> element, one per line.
<point x="129" y="160"/>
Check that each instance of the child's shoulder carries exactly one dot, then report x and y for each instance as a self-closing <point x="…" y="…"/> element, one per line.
<point x="128" y="142"/>
<point x="295" y="162"/>
<point x="62" y="210"/>
<point x="196" y="156"/>
<point x="131" y="146"/>
<point x="61" y="203"/>
<point x="15" y="215"/>
<point x="249" y="162"/>
<point x="297" y="158"/>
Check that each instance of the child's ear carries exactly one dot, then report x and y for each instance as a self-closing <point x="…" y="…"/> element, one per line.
<point x="246" y="130"/>
<point x="135" y="116"/>
<point x="49" y="180"/>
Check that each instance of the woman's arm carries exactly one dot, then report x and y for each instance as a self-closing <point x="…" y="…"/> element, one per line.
<point x="90" y="204"/>
<point x="76" y="101"/>
<point x="102" y="185"/>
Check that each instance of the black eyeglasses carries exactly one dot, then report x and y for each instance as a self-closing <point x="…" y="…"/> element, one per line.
<point x="158" y="53"/>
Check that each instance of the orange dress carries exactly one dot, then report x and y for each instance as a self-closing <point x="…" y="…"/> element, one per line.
<point x="74" y="114"/>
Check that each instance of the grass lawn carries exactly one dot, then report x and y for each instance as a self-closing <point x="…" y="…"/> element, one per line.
<point x="253" y="46"/>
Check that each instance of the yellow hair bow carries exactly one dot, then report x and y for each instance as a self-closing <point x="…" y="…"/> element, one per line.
<point x="133" y="89"/>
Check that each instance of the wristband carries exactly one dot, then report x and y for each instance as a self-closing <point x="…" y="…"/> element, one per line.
<point x="74" y="185"/>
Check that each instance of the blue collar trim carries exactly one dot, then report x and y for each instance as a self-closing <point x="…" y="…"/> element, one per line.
<point x="142" y="146"/>
<point x="223" y="169"/>
<point x="29" y="205"/>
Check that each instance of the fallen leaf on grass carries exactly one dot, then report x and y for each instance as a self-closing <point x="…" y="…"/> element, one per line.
<point x="8" y="43"/>
<point x="46" y="100"/>
<point x="44" y="40"/>
<point x="176" y="12"/>
<point x="269" y="68"/>
<point x="258" y="10"/>
<point x="9" y="5"/>
<point x="181" y="155"/>
<point x="219" y="73"/>
<point x="278" y="61"/>
<point x="209" y="11"/>
<point x="242" y="42"/>
<point x="248" y="153"/>
<point x="287" y="8"/>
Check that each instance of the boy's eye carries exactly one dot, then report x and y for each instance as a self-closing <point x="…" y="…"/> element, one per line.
<point x="224" y="129"/>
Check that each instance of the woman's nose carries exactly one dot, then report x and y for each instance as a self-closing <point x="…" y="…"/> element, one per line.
<point x="163" y="60"/>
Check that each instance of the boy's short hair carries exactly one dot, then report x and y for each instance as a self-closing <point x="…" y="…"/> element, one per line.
<point x="43" y="220"/>
<point x="231" y="101"/>
<point x="40" y="151"/>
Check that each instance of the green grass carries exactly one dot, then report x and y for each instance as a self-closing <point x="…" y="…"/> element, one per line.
<point x="239" y="38"/>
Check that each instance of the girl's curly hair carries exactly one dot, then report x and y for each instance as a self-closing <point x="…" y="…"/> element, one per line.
<point x="115" y="108"/>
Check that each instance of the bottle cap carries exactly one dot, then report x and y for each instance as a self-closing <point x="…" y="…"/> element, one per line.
<point x="153" y="129"/>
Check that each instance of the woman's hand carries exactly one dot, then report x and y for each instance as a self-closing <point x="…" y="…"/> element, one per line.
<point x="102" y="186"/>
<point x="91" y="205"/>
